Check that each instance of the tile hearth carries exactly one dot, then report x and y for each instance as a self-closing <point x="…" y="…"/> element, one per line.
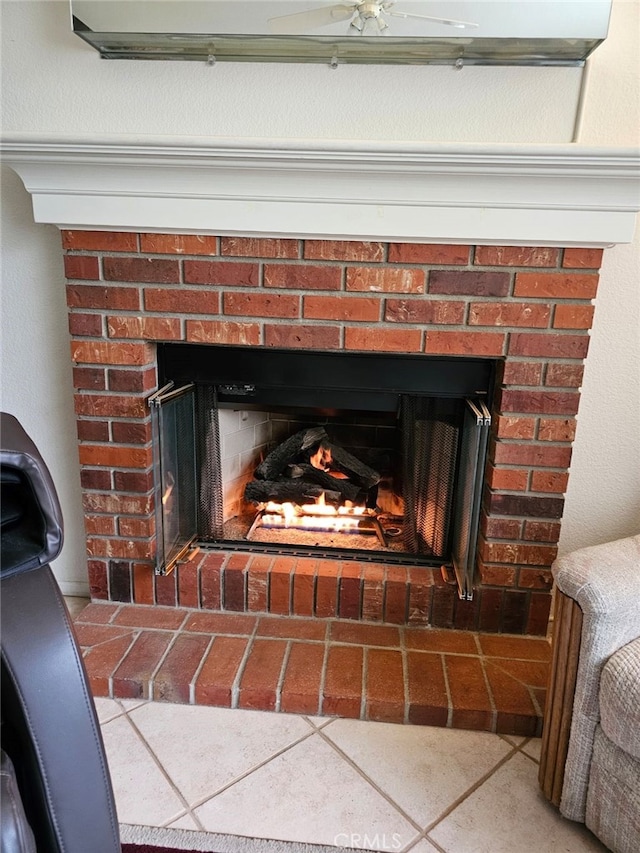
<point x="333" y="667"/>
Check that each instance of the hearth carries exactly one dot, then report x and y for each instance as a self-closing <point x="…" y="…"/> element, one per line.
<point x="375" y="457"/>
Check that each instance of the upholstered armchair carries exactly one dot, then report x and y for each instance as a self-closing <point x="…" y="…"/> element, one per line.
<point x="590" y="764"/>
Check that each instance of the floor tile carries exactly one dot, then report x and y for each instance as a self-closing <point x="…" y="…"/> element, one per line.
<point x="533" y="748"/>
<point x="143" y="793"/>
<point x="184" y="822"/>
<point x="107" y="709"/>
<point x="424" y="846"/>
<point x="75" y="604"/>
<point x="508" y="814"/>
<point x="288" y="799"/>
<point x="202" y="749"/>
<point x="422" y="769"/>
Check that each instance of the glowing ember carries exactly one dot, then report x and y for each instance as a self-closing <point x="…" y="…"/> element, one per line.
<point x="321" y="459"/>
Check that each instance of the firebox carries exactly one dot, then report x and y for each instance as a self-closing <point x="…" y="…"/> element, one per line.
<point x="361" y="456"/>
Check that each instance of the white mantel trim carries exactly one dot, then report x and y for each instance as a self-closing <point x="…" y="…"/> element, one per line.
<point x="555" y="195"/>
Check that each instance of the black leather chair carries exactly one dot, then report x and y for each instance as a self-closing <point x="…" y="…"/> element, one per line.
<point x="56" y="788"/>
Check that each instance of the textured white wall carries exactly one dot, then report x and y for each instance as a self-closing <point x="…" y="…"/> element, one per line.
<point x="53" y="83"/>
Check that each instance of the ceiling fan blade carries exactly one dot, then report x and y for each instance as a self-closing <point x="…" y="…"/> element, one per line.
<point x="450" y="23"/>
<point x="302" y="22"/>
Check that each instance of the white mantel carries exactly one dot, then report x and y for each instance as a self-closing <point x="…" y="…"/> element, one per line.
<point x="543" y="195"/>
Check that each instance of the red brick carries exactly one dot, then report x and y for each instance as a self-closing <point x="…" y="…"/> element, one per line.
<point x="119" y="549"/>
<point x="220" y="623"/>
<point x="261" y="305"/>
<point x="396" y="597"/>
<point x="126" y="432"/>
<point x="373" y="592"/>
<point x="235" y="582"/>
<point x="158" y="270"/>
<point x="304" y="587"/>
<point x="134" y="616"/>
<point x="382" y="340"/>
<point x="420" y="592"/>
<point x="342" y="693"/>
<point x="133" y="528"/>
<point x="549" y="481"/>
<point x="530" y="555"/>
<point x="302" y="337"/>
<point x="96" y="502"/>
<point x="82" y="266"/>
<point x="542" y="531"/>
<point x="540" y="402"/>
<point x="557" y="429"/>
<point x="361" y="634"/>
<point x="132" y="678"/>
<point x="546" y="285"/>
<point x="496" y="575"/>
<point x="99" y="525"/>
<point x="172" y="681"/>
<point x="430" y="640"/>
<point x="89" y="379"/>
<point x="132" y="380"/>
<point x="427" y="691"/>
<point x="98" y="579"/>
<point x="109" y="456"/>
<point x="222" y="332"/>
<point x="90" y="479"/>
<point x="529" y="314"/>
<point x="428" y="253"/>
<point x="462" y="283"/>
<point x="302" y="276"/>
<point x="472" y="707"/>
<point x="257" y="247"/>
<point x="100" y="296"/>
<point x="92" y="430"/>
<point x="352" y="308"/>
<point x="215" y="682"/>
<point x="490" y="609"/>
<point x="89" y="635"/>
<point x="85" y="325"/>
<point x="101" y="661"/>
<point x="427" y="311"/>
<point x="132" y="481"/>
<point x="291" y="629"/>
<point x="516" y="256"/>
<point x="110" y="352"/>
<point x="384" y="688"/>
<point x="515" y="648"/>
<point x="531" y="506"/>
<point x="501" y="528"/>
<point x="280" y="585"/>
<point x="582" y="258"/>
<point x="543" y="456"/>
<point x="261" y="675"/>
<point x="178" y="244"/>
<point x="343" y="250"/>
<point x="549" y="346"/>
<point x="228" y="273"/>
<point x="507" y="479"/>
<point x="515" y="427"/>
<point x="258" y="584"/>
<point x="181" y="300"/>
<point x="302" y="679"/>
<point x="105" y="241"/>
<point x="535" y="578"/>
<point x="465" y="343"/>
<point x="516" y="712"/>
<point x="327" y="589"/>
<point x="166" y="590"/>
<point x="564" y="375"/>
<point x="522" y="372"/>
<point x="350" y="591"/>
<point x="538" y="619"/>
<point x="97" y="613"/>
<point x="143" y="586"/>
<point x="145" y="328"/>
<point x="569" y="316"/>
<point x="385" y="280"/>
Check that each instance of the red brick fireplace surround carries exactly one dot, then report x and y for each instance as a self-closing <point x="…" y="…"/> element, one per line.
<point x="528" y="307"/>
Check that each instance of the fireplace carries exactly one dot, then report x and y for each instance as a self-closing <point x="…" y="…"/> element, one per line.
<point x="376" y="457"/>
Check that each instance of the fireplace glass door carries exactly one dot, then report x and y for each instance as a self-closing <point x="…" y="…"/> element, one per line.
<point x="339" y="455"/>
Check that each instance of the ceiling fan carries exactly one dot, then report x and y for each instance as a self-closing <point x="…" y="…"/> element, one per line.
<point x="367" y="18"/>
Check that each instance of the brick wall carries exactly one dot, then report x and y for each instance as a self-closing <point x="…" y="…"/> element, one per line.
<point x="530" y="307"/>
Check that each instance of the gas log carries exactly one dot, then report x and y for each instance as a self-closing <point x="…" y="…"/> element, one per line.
<point x="308" y="465"/>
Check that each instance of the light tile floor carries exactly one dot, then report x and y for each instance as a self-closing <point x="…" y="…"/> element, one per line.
<point x="325" y="781"/>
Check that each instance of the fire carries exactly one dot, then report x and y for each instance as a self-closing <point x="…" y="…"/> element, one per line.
<point x="317" y="516"/>
<point x="321" y="459"/>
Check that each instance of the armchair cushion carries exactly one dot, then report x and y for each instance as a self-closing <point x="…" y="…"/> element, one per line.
<point x="620" y="698"/>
